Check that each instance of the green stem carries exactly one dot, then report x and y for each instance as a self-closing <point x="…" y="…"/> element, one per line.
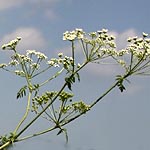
<point x="93" y="104"/>
<point x="25" y="115"/>
<point x="32" y="121"/>
<point x="85" y="51"/>
<point x="41" y="72"/>
<point x="73" y="47"/>
<point x="36" y="134"/>
<point x="5" y="145"/>
<point x="53" y="77"/>
<point x="63" y="87"/>
<point x="97" y="100"/>
<point x="100" y="98"/>
<point x="139" y="62"/>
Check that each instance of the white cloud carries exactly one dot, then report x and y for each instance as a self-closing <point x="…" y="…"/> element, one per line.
<point x="6" y="4"/>
<point x="50" y="14"/>
<point x="43" y="6"/>
<point x="31" y="38"/>
<point x="43" y="2"/>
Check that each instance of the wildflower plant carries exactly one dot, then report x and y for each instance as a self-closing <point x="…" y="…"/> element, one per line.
<point x="59" y="106"/>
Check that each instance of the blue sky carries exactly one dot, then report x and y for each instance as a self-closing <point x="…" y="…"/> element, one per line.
<point x="121" y="121"/>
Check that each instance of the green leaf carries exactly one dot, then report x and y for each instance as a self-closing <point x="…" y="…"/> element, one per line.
<point x="78" y="76"/>
<point x="120" y="80"/>
<point x="22" y="92"/>
<point x="69" y="83"/>
<point x="65" y="132"/>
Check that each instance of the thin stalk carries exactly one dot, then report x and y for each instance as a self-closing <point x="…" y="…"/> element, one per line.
<point x="48" y="115"/>
<point x="33" y="120"/>
<point x="139" y="62"/>
<point x="60" y="110"/>
<point x="53" y="112"/>
<point x="68" y="116"/>
<point x="36" y="134"/>
<point x="73" y="47"/>
<point x="26" y="113"/>
<point x="53" y="77"/>
<point x="100" y="98"/>
<point x="41" y="72"/>
<point x="93" y="104"/>
<point x="5" y="145"/>
<point x="38" y="62"/>
<point x="131" y="61"/>
<point x="85" y="51"/>
<point x="143" y="66"/>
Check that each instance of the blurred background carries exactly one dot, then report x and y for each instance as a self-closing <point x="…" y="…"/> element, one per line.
<point x="121" y="121"/>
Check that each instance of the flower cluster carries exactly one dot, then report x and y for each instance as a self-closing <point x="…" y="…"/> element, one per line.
<point x="99" y="45"/>
<point x="63" y="110"/>
<point x="3" y="65"/>
<point x="65" y="61"/>
<point x="25" y="64"/>
<point x="76" y="107"/>
<point x="136" y="57"/>
<point x="81" y="107"/>
<point x="72" y="35"/>
<point x="12" y="44"/>
<point x="140" y="47"/>
<point x="39" y="55"/>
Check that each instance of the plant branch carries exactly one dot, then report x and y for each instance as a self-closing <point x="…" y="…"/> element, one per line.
<point x="26" y="113"/>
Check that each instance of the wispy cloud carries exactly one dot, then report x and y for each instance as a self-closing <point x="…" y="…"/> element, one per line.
<point x="50" y="14"/>
<point x="43" y="6"/>
<point x="10" y="4"/>
<point x="31" y="38"/>
<point x="6" y="4"/>
<point x="42" y="2"/>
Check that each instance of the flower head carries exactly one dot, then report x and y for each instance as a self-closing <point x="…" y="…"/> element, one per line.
<point x="72" y="35"/>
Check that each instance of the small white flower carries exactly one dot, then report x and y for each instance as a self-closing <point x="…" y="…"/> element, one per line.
<point x="129" y="39"/>
<point x="122" y="62"/>
<point x="78" y="65"/>
<point x="60" y="54"/>
<point x="147" y="40"/>
<point x="41" y="55"/>
<point x="139" y="40"/>
<point x="69" y="35"/>
<point x="13" y="63"/>
<point x="71" y="59"/>
<point x="111" y="37"/>
<point x="93" y="34"/>
<point x="145" y="34"/>
<point x="79" y="30"/>
<point x="31" y="52"/>
<point x="104" y="30"/>
<point x="19" y="38"/>
<point x="3" y="65"/>
<point x="135" y="38"/>
<point x="4" y="46"/>
<point x="19" y="73"/>
<point x="51" y="63"/>
<point x="35" y="66"/>
<point x="56" y="65"/>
